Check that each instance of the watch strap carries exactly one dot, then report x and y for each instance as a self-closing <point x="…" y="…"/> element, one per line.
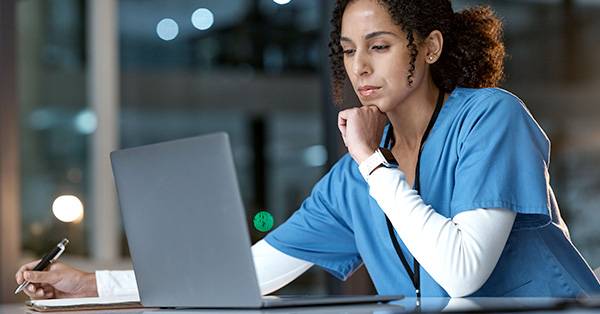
<point x="381" y="157"/>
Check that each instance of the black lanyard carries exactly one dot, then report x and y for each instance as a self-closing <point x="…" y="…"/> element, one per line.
<point x="414" y="276"/>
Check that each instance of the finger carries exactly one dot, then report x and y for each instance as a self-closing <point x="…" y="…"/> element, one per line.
<point x="30" y="265"/>
<point x="345" y="114"/>
<point x="19" y="277"/>
<point x="342" y="126"/>
<point x="47" y="288"/>
<point x="41" y="276"/>
<point x="56" y="266"/>
<point x="26" y="267"/>
<point x="342" y="118"/>
<point x="48" y="291"/>
<point x="39" y="293"/>
<point x="373" y="108"/>
<point x="30" y="290"/>
<point x="343" y="133"/>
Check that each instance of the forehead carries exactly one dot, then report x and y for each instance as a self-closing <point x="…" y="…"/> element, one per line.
<point x="365" y="16"/>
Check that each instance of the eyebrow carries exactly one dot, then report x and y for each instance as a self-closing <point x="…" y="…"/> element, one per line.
<point x="370" y="35"/>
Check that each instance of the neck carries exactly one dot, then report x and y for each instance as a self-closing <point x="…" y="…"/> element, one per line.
<point x="411" y="117"/>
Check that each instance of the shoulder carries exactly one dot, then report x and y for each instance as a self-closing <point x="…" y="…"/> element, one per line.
<point x="495" y="114"/>
<point x="478" y="101"/>
<point x="493" y="108"/>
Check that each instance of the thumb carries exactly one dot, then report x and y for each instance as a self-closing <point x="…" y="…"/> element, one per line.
<point x="41" y="277"/>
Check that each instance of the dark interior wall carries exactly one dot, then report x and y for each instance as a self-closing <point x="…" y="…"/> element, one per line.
<point x="9" y="154"/>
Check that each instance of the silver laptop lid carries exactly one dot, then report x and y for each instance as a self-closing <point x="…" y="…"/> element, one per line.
<point x="185" y="224"/>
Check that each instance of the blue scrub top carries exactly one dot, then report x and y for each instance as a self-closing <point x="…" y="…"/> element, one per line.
<point x="484" y="151"/>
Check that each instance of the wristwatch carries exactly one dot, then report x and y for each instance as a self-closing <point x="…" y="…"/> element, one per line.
<point x="382" y="157"/>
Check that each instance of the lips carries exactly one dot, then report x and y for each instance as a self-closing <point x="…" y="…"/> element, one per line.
<point x="368" y="90"/>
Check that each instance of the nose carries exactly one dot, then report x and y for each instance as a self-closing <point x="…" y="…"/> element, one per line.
<point x="361" y="65"/>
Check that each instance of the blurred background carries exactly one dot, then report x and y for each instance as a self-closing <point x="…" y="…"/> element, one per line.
<point x="82" y="78"/>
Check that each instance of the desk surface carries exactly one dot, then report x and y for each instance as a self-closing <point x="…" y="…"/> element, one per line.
<point x="430" y="305"/>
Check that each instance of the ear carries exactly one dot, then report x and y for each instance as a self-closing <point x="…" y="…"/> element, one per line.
<point x="433" y="45"/>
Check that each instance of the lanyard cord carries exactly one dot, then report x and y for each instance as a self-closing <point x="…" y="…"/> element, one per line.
<point x="414" y="276"/>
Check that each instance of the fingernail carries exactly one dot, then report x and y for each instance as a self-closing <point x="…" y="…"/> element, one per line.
<point x="31" y="288"/>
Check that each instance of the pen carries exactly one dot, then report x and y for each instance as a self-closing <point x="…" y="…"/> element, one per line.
<point x="48" y="259"/>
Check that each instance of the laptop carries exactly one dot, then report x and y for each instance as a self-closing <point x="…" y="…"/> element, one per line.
<point x="187" y="231"/>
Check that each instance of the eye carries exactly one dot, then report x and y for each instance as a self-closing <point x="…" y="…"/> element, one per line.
<point x="380" y="47"/>
<point x="348" y="51"/>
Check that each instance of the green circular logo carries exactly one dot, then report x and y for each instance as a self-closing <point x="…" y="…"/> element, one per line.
<point x="263" y="221"/>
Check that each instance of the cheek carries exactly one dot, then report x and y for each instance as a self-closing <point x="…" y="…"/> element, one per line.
<point x="348" y="70"/>
<point x="395" y="72"/>
<point x="399" y="73"/>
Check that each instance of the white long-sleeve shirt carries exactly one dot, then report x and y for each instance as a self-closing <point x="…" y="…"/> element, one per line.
<point x="274" y="270"/>
<point x="460" y="253"/>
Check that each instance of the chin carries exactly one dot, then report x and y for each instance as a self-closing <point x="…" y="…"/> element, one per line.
<point x="380" y="104"/>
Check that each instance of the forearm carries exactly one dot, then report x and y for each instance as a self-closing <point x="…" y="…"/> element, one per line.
<point x="275" y="269"/>
<point x="459" y="253"/>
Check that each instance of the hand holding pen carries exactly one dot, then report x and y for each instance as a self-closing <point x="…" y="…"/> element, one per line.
<point x="47" y="278"/>
<point x="48" y="259"/>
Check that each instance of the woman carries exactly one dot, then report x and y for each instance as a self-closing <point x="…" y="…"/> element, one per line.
<point x="450" y="198"/>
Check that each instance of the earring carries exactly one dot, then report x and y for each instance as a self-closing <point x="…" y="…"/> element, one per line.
<point x="430" y="58"/>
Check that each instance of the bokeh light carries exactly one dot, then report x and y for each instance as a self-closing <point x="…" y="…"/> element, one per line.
<point x="203" y="19"/>
<point x="315" y="156"/>
<point x="86" y="122"/>
<point x="167" y="29"/>
<point x="68" y="208"/>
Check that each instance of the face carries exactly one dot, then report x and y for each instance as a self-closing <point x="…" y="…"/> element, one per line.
<point x="376" y="58"/>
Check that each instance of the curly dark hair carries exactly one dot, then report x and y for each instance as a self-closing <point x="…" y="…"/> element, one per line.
<point x="473" y="53"/>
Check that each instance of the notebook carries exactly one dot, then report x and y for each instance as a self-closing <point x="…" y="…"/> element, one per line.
<point x="80" y="304"/>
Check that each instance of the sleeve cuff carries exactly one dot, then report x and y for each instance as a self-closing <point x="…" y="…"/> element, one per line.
<point x="116" y="283"/>
<point x="369" y="165"/>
